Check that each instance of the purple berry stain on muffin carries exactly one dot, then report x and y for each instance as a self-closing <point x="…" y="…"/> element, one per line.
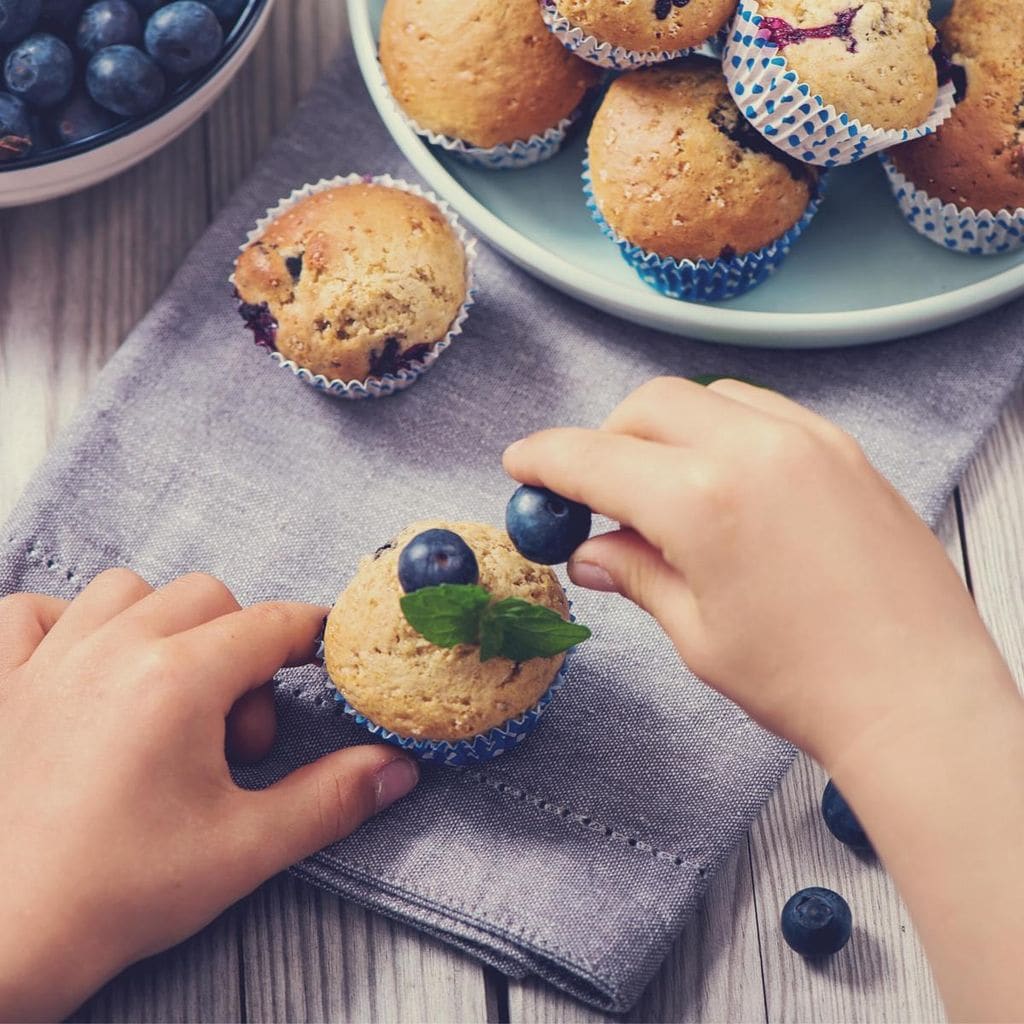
<point x="950" y="72"/>
<point x="663" y="8"/>
<point x="259" y="320"/>
<point x="781" y="33"/>
<point x="293" y="264"/>
<point x="390" y="360"/>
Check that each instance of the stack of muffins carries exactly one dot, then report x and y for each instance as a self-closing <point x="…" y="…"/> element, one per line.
<point x="709" y="148"/>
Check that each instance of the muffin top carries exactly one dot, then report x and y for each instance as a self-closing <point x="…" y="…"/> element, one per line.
<point x="479" y="70"/>
<point x="976" y="158"/>
<point x="402" y="681"/>
<point x="872" y="61"/>
<point x="676" y="169"/>
<point x="646" y="25"/>
<point x="359" y="280"/>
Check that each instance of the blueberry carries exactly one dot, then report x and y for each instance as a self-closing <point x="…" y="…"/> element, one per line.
<point x="40" y="70"/>
<point x="435" y="557"/>
<point x="108" y="23"/>
<point x="17" y="138"/>
<point x="841" y="821"/>
<point x="62" y="13"/>
<point x="124" y="80"/>
<point x="227" y="11"/>
<point x="184" y="36"/>
<point x="816" y="922"/>
<point x="545" y="527"/>
<point x="18" y="18"/>
<point x="81" y="118"/>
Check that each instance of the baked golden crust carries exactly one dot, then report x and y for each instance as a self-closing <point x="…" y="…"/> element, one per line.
<point x="403" y="682"/>
<point x="482" y="71"/>
<point x="677" y="171"/>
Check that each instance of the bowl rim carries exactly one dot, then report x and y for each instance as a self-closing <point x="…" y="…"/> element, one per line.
<point x="233" y="40"/>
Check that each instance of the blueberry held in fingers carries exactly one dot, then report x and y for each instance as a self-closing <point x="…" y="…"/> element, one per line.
<point x="816" y="922"/>
<point x="841" y="820"/>
<point x="434" y="557"/>
<point x="544" y="526"/>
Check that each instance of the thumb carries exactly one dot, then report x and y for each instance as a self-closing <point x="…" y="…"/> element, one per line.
<point x="327" y="800"/>
<point x="623" y="562"/>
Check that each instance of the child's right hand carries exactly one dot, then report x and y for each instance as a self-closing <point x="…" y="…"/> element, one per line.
<point x="787" y="571"/>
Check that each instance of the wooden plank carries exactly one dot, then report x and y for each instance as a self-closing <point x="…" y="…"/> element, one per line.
<point x="79" y="272"/>
<point x="196" y="981"/>
<point x="882" y="975"/>
<point x="308" y="955"/>
<point x="713" y="972"/>
<point x="992" y="498"/>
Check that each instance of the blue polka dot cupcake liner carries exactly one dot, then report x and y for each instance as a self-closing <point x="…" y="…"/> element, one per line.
<point x="483" y="747"/>
<point x="704" y="280"/>
<point x="405" y="376"/>
<point x="958" y="228"/>
<point x="788" y="114"/>
<point x="617" y="58"/>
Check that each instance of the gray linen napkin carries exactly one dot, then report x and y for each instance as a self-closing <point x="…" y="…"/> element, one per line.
<point x="580" y="856"/>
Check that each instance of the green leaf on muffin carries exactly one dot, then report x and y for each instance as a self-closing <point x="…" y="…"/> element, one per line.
<point x="452" y="614"/>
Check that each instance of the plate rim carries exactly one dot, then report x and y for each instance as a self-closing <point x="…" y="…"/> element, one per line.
<point x="693" y="320"/>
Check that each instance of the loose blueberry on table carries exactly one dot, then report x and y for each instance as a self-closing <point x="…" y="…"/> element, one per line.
<point x="841" y="820"/>
<point x="435" y="557"/>
<point x="544" y="526"/>
<point x="73" y="70"/>
<point x="816" y="922"/>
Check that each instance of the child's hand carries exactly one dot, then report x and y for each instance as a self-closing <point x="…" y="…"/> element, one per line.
<point x="787" y="571"/>
<point x="123" y="831"/>
<point x="794" y="579"/>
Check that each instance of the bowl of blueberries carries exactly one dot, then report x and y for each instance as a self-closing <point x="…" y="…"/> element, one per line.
<point x="90" y="87"/>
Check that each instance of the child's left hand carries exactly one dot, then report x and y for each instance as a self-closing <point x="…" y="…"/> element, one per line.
<point x="123" y="830"/>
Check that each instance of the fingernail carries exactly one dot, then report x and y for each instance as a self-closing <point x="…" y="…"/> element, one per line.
<point x="512" y="447"/>
<point x="591" y="576"/>
<point x="394" y="780"/>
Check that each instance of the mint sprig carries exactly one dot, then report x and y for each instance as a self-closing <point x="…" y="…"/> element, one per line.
<point x="452" y="614"/>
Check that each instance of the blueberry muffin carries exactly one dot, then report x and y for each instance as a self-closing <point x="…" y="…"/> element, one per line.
<point x="401" y="681"/>
<point x="976" y="159"/>
<point x="676" y="171"/>
<point x="871" y="61"/>
<point x="355" y="281"/>
<point x="482" y="72"/>
<point x="648" y="25"/>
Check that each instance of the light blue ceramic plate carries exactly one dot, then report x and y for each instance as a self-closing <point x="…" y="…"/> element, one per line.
<point x="858" y="275"/>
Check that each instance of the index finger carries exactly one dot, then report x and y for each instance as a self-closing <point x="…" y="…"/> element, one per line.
<point x="242" y="650"/>
<point x="636" y="482"/>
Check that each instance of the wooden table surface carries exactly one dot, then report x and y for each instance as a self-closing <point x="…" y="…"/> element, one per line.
<point x="75" y="275"/>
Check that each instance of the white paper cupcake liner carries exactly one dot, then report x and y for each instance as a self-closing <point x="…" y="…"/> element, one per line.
<point x="787" y="113"/>
<point x="618" y="58"/>
<point x="704" y="280"/>
<point x="954" y="227"/>
<point x="483" y="747"/>
<point x="389" y="383"/>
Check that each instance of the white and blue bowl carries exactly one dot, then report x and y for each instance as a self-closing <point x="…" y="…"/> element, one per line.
<point x="790" y="115"/>
<point x="78" y="165"/>
<point x="389" y="383"/>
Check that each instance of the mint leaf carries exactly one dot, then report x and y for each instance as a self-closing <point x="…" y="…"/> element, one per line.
<point x="519" y="630"/>
<point x="447" y="614"/>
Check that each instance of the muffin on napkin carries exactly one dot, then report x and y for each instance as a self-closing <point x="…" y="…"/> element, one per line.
<point x="448" y="642"/>
<point x="622" y="36"/>
<point x="699" y="203"/>
<point x="484" y="80"/>
<point x="964" y="186"/>
<point x="832" y="82"/>
<point x="357" y="285"/>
